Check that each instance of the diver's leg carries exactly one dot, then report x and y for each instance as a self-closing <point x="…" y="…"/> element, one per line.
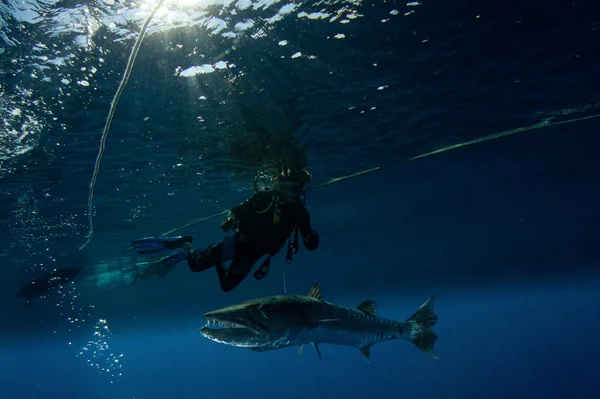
<point x="215" y="254"/>
<point x="238" y="270"/>
<point x="199" y="261"/>
<point x="244" y="254"/>
<point x="156" y="268"/>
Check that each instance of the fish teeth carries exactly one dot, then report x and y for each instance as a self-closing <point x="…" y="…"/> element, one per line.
<point x="222" y="324"/>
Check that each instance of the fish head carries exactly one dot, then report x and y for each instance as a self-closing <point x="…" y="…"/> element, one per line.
<point x="260" y="324"/>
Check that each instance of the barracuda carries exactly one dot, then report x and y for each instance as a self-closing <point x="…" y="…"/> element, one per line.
<point x="282" y="321"/>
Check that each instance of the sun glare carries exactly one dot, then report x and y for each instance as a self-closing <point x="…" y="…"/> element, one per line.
<point x="188" y="3"/>
<point x="179" y="5"/>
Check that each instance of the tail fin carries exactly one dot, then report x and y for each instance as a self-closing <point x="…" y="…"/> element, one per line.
<point x="421" y="323"/>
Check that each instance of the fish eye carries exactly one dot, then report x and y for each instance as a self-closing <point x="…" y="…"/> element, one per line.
<point x="266" y="310"/>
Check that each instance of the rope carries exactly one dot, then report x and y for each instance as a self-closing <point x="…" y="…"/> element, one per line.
<point x="505" y="133"/>
<point x="111" y="114"/>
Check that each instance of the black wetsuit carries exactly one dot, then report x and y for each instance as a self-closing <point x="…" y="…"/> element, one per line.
<point x="264" y="224"/>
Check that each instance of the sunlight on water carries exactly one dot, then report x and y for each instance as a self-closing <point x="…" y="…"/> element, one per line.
<point x="22" y="119"/>
<point x="71" y="55"/>
<point x="68" y="62"/>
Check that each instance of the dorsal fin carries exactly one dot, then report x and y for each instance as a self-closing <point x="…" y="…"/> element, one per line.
<point x="368" y="306"/>
<point x="315" y="292"/>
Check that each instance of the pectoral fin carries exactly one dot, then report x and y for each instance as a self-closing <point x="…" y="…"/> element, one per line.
<point x="316" y="346"/>
<point x="366" y="351"/>
<point x="314" y="323"/>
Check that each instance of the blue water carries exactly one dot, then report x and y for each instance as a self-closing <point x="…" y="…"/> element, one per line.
<point x="505" y="232"/>
<point x="534" y="342"/>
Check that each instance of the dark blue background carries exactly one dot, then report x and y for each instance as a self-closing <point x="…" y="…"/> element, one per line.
<point x="504" y="232"/>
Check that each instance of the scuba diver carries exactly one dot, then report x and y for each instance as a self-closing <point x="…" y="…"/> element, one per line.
<point x="260" y="226"/>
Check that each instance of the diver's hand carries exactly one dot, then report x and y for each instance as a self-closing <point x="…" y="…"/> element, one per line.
<point x="228" y="223"/>
<point x="311" y="241"/>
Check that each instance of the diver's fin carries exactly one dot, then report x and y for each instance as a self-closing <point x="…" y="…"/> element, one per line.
<point x="299" y="350"/>
<point x="316" y="346"/>
<point x="366" y="351"/>
<point x="368" y="306"/>
<point x="420" y="324"/>
<point x="174" y="258"/>
<point x="315" y="292"/>
<point x="156" y="245"/>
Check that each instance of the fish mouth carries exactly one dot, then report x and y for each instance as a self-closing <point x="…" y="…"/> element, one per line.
<point x="218" y="324"/>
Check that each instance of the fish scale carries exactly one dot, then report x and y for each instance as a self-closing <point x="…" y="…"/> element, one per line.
<point x="350" y="327"/>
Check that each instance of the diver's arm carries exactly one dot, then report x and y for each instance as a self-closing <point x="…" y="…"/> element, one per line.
<point x="310" y="237"/>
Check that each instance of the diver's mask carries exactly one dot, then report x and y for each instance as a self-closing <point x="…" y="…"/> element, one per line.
<point x="289" y="190"/>
<point x="264" y="183"/>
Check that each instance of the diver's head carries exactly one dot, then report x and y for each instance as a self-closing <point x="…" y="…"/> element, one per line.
<point x="290" y="182"/>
